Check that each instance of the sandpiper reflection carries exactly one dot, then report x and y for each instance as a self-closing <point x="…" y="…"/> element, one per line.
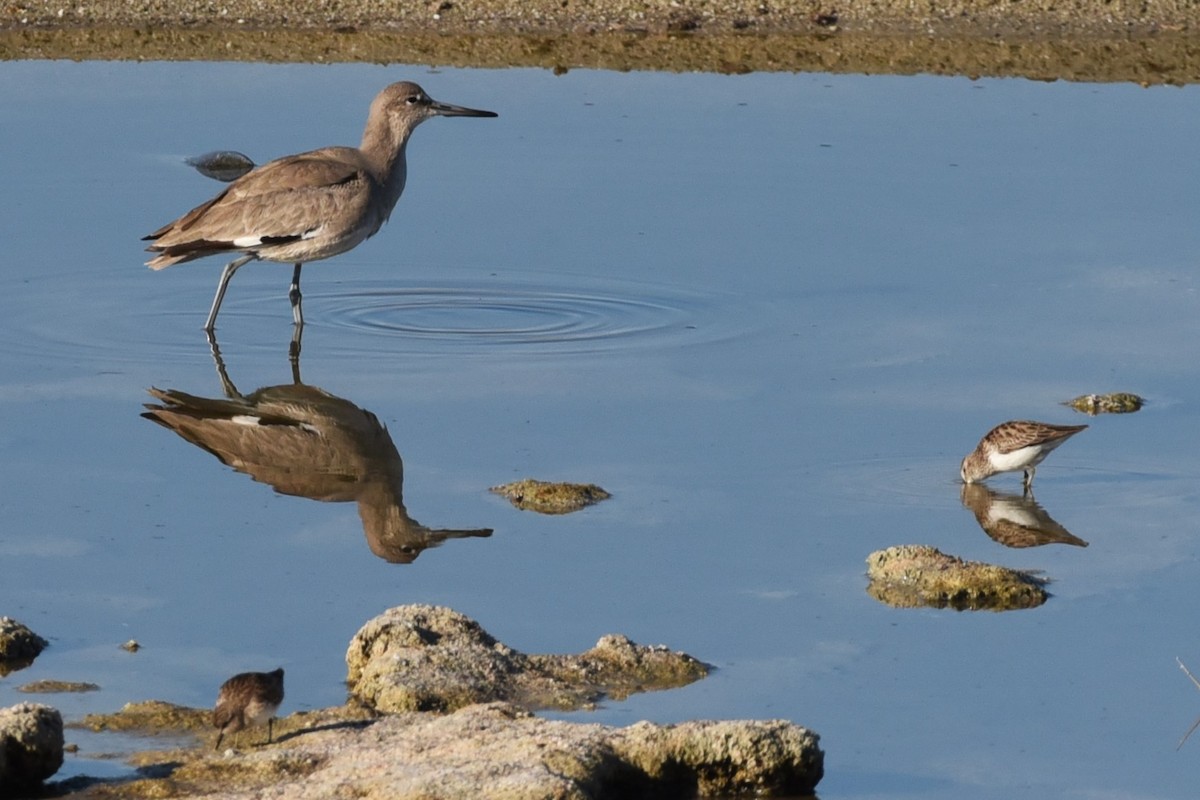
<point x="306" y="442"/>
<point x="1014" y="520"/>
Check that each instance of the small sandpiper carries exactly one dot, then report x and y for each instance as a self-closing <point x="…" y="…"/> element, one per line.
<point x="247" y="699"/>
<point x="1015" y="445"/>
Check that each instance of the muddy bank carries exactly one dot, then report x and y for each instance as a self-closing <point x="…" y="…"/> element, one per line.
<point x="452" y="17"/>
<point x="1085" y="40"/>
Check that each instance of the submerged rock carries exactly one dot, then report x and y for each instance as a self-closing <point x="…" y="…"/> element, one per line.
<point x="31" y="746"/>
<point x="918" y="575"/>
<point x="496" y="751"/>
<point x="57" y="687"/>
<point x="546" y="497"/>
<point x="430" y="658"/>
<point x="221" y="165"/>
<point x="150" y="717"/>
<point x="1111" y="403"/>
<point x="19" y="646"/>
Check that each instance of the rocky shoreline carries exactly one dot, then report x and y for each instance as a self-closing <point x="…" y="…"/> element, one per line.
<point x="437" y="708"/>
<point x="490" y="750"/>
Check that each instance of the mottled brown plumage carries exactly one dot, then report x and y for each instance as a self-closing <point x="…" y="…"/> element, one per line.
<point x="309" y="206"/>
<point x="247" y="699"/>
<point x="1012" y="446"/>
<point x="1014" y="520"/>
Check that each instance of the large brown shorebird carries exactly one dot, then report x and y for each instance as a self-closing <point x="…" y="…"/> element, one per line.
<point x="309" y="206"/>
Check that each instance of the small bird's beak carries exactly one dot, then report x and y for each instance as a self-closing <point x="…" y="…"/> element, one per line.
<point x="447" y="110"/>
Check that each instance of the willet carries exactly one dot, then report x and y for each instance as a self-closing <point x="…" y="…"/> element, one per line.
<point x="1015" y="445"/>
<point x="305" y="442"/>
<point x="309" y="206"/>
<point x="246" y="699"/>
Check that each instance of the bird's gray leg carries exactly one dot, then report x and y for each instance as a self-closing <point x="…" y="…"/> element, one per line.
<point x="270" y="729"/>
<point x="1029" y="480"/>
<point x="220" y="736"/>
<point x="294" y="296"/>
<point x="230" y="268"/>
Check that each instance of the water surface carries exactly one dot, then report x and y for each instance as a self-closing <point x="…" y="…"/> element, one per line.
<point x="769" y="313"/>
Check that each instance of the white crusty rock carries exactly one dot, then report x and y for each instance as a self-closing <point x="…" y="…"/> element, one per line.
<point x="499" y="752"/>
<point x="31" y="746"/>
<point x="432" y="658"/>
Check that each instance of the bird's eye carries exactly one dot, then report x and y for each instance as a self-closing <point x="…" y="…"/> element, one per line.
<point x="413" y="99"/>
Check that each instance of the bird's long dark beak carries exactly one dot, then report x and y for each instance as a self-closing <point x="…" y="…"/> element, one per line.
<point x="447" y="110"/>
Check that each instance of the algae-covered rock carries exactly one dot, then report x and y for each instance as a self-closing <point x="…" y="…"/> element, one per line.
<point x="31" y="747"/>
<point x="1112" y="403"/>
<point x="19" y="646"/>
<point x="150" y="717"/>
<point x="57" y="687"/>
<point x="429" y="658"/>
<point x="910" y="576"/>
<point x="547" y="497"/>
<point x="155" y="718"/>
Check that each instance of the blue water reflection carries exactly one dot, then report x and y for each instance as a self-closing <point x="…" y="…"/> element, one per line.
<point x="835" y="285"/>
<point x="304" y="441"/>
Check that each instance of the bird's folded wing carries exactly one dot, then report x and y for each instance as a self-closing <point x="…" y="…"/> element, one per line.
<point x="281" y="201"/>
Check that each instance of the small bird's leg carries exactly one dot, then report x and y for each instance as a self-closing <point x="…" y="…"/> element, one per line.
<point x="1029" y="480"/>
<point x="220" y="736"/>
<point x="230" y="268"/>
<point x="270" y="729"/>
<point x="294" y="296"/>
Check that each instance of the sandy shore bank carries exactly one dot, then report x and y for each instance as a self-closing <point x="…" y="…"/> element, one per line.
<point x="968" y="17"/>
<point x="1090" y="40"/>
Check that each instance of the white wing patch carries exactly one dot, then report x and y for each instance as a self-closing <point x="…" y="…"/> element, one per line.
<point x="257" y="240"/>
<point x="254" y="421"/>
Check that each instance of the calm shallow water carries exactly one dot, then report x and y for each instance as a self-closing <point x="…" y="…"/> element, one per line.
<point x="769" y="313"/>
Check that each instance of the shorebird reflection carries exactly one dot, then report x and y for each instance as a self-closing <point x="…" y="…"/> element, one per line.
<point x="1014" y="520"/>
<point x="306" y="442"/>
